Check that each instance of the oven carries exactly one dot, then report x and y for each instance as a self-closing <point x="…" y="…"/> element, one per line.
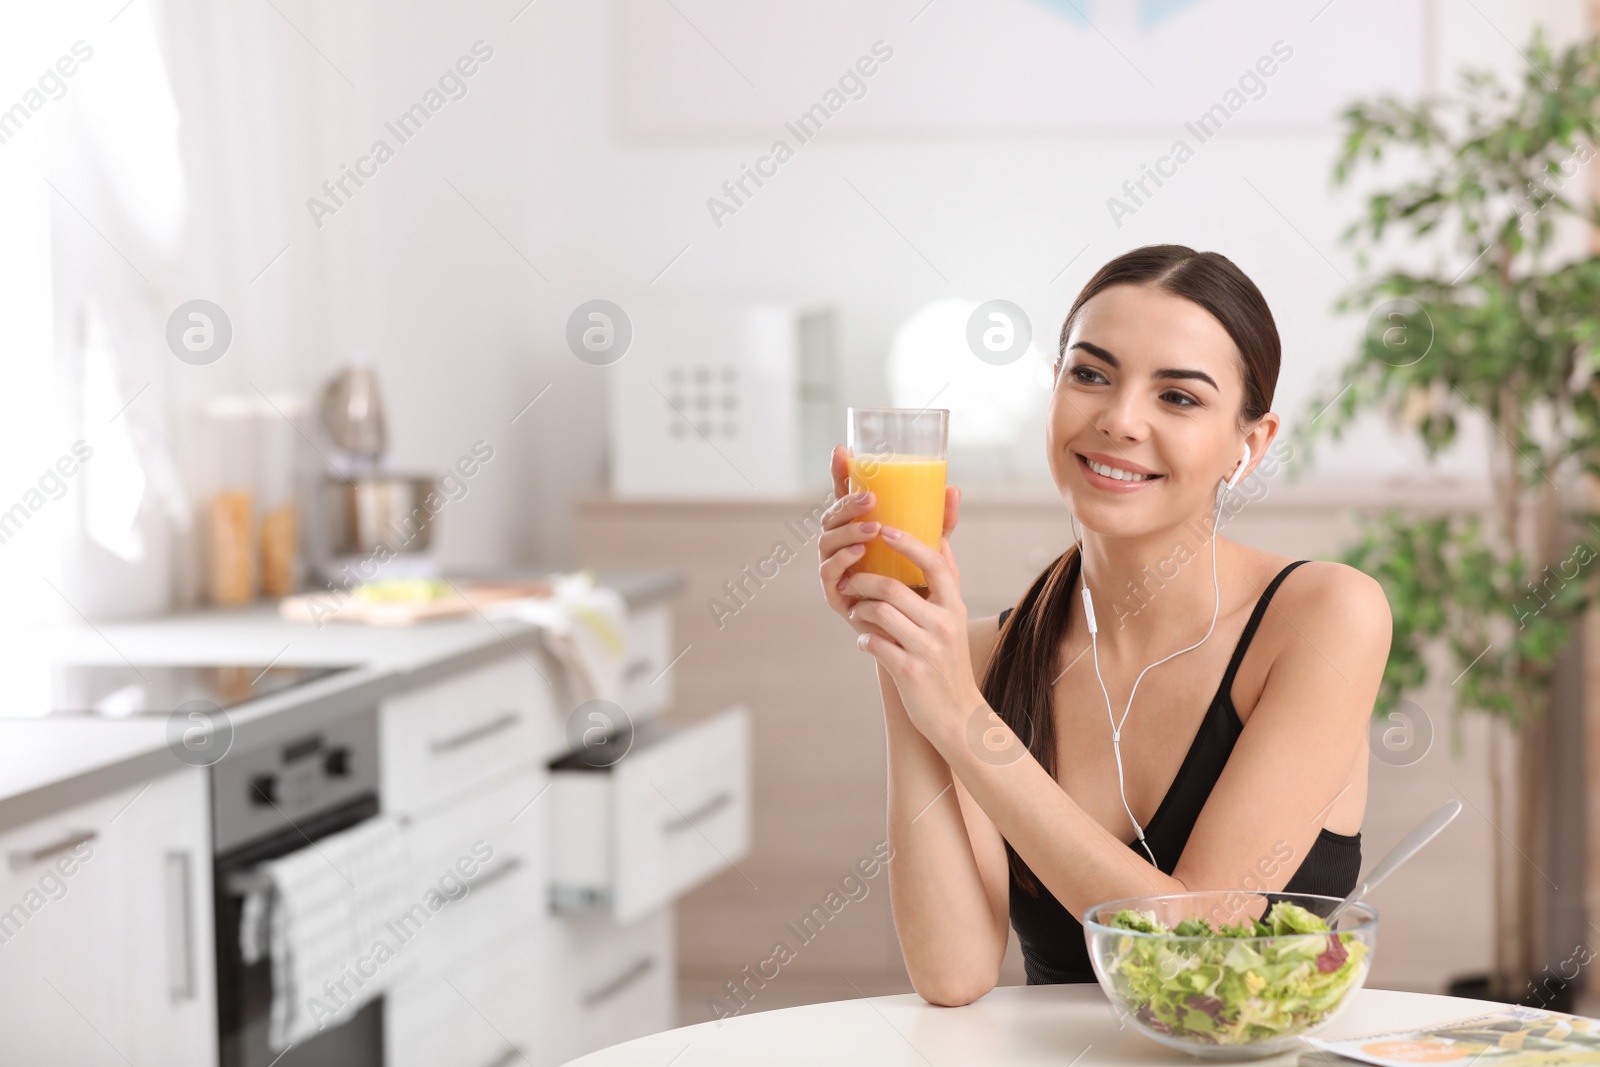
<point x="267" y="803"/>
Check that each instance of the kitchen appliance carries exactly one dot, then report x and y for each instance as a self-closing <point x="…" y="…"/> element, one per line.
<point x="376" y="523"/>
<point x="116" y="691"/>
<point x="352" y="411"/>
<point x="268" y="802"/>
<point x="380" y="514"/>
<point x="722" y="400"/>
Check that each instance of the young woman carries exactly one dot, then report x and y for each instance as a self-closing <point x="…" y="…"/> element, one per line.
<point x="1031" y="776"/>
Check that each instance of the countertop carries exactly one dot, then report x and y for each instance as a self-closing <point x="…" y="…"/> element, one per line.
<point x="1012" y="1025"/>
<point x="53" y="763"/>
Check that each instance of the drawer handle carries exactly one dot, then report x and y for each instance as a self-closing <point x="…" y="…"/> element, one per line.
<point x="683" y="822"/>
<point x="476" y="733"/>
<point x="19" y="860"/>
<point x="180" y="927"/>
<point x="506" y="869"/>
<point x="622" y="981"/>
<point x="574" y="899"/>
<point x="637" y="669"/>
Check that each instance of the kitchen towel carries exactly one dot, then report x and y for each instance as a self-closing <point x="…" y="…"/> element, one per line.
<point x="329" y="910"/>
<point x="581" y="624"/>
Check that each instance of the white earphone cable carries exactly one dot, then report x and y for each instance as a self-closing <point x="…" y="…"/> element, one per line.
<point x="1116" y="726"/>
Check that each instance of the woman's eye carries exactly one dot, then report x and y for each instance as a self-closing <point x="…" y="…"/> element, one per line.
<point x="1090" y="376"/>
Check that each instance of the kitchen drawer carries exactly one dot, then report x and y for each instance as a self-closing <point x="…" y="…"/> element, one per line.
<point x="618" y="982"/>
<point x="443" y="739"/>
<point x="64" y="842"/>
<point x="493" y="1012"/>
<point x="498" y="835"/>
<point x="670" y="813"/>
<point x="646" y="691"/>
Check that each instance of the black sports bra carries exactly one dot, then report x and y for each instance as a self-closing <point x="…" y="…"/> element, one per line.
<point x="1053" y="947"/>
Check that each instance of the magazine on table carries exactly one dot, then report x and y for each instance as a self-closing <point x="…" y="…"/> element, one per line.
<point x="1511" y="1037"/>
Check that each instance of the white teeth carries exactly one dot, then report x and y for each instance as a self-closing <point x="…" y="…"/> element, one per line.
<point x="1116" y="472"/>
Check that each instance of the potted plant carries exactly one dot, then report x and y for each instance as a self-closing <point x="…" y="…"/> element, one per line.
<point x="1500" y="328"/>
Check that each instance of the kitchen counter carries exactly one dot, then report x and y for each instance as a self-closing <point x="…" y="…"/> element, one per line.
<point x="53" y="763"/>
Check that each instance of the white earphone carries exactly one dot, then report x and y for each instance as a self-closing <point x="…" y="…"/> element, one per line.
<point x="1088" y="612"/>
<point x="1238" y="472"/>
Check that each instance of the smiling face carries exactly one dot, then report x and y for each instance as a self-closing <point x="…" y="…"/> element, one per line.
<point x="1151" y="385"/>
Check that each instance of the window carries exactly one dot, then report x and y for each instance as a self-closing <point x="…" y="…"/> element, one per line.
<point x="996" y="410"/>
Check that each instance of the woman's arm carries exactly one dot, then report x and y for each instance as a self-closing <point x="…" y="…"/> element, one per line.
<point x="1295" y="754"/>
<point x="948" y="881"/>
<point x="947" y="872"/>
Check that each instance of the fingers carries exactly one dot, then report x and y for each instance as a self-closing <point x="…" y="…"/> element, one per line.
<point x="846" y="509"/>
<point x="841" y="537"/>
<point x="842" y="548"/>
<point x="844" y="595"/>
<point x="952" y="507"/>
<point x="889" y="654"/>
<point x="840" y="468"/>
<point x="878" y="588"/>
<point x="944" y="587"/>
<point x="833" y="571"/>
<point x="888" y="617"/>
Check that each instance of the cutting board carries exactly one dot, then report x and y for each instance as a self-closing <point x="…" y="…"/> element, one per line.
<point x="466" y="598"/>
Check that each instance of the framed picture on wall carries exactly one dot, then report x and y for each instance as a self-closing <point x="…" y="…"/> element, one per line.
<point x="730" y="68"/>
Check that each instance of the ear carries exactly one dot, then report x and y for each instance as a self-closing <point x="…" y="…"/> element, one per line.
<point x="1260" y="439"/>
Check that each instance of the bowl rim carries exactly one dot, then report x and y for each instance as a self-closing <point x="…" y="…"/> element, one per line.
<point x="1369" y="923"/>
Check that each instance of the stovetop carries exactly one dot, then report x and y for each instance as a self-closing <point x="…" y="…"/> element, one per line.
<point x="119" y="691"/>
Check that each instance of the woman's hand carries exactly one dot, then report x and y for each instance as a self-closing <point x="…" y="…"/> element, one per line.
<point x="843" y="543"/>
<point x="922" y="643"/>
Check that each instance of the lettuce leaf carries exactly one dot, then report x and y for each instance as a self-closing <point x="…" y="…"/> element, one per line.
<point x="1221" y="990"/>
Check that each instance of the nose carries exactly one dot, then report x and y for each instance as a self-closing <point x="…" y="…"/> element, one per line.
<point x="1121" y="418"/>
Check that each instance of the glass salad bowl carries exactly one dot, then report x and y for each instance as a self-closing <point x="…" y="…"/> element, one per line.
<point x="1229" y="974"/>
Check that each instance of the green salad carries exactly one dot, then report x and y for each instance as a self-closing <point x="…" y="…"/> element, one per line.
<point x="1226" y="991"/>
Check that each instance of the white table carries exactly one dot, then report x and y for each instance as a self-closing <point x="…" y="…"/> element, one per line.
<point x="1059" y="1025"/>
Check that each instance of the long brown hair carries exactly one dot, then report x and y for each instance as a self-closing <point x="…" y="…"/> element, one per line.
<point x="1017" y="683"/>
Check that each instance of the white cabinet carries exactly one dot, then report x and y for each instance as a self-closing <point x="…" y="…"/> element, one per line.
<point x="486" y="858"/>
<point x="646" y="681"/>
<point x="441" y="739"/>
<point x="105" y="931"/>
<point x="498" y="976"/>
<point x="542" y="995"/>
<point x="464" y="761"/>
<point x="497" y="1010"/>
<point x="667" y="815"/>
<point x="618" y="981"/>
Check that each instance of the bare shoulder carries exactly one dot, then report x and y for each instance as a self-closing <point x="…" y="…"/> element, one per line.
<point x="1333" y="605"/>
<point x="1338" y="593"/>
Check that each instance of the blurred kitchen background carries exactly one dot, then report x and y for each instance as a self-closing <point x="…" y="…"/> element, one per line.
<point x="542" y="316"/>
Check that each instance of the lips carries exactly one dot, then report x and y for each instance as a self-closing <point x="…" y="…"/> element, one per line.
<point x="1112" y="485"/>
<point x="1119" y="462"/>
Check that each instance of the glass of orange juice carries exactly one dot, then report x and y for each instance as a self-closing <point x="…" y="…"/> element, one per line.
<point x="899" y="455"/>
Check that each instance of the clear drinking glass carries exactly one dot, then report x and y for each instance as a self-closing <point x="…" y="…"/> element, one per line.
<point x="899" y="455"/>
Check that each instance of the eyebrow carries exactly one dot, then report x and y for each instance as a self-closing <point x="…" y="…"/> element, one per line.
<point x="1165" y="372"/>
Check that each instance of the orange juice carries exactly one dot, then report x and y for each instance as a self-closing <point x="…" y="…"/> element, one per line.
<point x="908" y="494"/>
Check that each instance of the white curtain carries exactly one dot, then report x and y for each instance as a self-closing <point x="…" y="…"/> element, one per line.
<point x="118" y="177"/>
<point x="179" y="165"/>
<point x="34" y="430"/>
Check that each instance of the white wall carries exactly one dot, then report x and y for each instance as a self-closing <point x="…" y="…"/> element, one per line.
<point x="467" y="332"/>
